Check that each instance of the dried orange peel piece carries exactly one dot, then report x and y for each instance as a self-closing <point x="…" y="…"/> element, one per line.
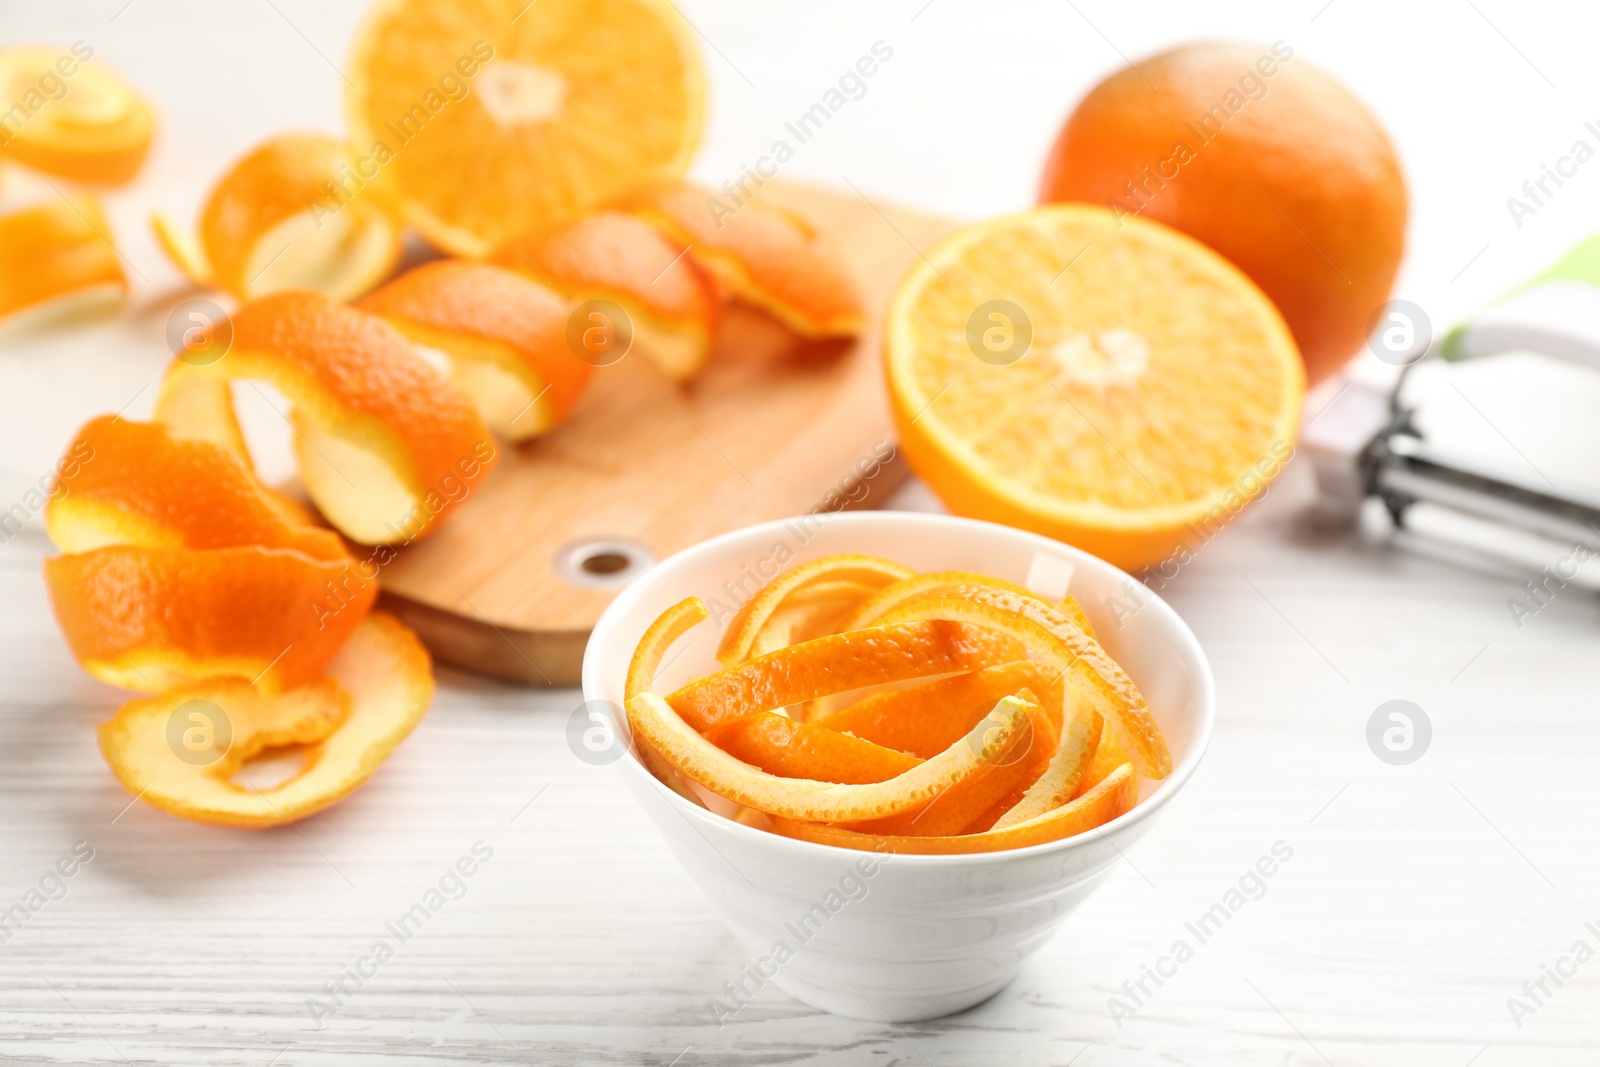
<point x="294" y="213"/>
<point x="837" y="663"/>
<point x="71" y="115"/>
<point x="1115" y="796"/>
<point x="868" y="572"/>
<point x="697" y="758"/>
<point x="673" y="307"/>
<point x="387" y="445"/>
<point x="763" y="255"/>
<point x="57" y="257"/>
<point x="504" y="335"/>
<point x="348" y="722"/>
<point x="1057" y="641"/>
<point x="779" y="745"/>
<point x="180" y="566"/>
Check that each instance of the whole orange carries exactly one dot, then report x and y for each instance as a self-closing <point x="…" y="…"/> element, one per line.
<point x="1265" y="158"/>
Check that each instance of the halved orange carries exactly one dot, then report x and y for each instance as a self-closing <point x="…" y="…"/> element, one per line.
<point x="1108" y="382"/>
<point x="71" y="115"/>
<point x="504" y="335"/>
<point x="502" y="116"/>
<point x="387" y="445"/>
<point x="58" y="256"/>
<point x="766" y="256"/>
<point x="673" y="307"/>
<point x="298" y="211"/>
<point x="346" y="723"/>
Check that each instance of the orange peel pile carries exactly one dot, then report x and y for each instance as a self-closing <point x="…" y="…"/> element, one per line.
<point x="183" y="576"/>
<point x="291" y="213"/>
<point x="978" y="715"/>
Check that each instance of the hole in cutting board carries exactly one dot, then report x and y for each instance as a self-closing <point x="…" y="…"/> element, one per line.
<point x="603" y="564"/>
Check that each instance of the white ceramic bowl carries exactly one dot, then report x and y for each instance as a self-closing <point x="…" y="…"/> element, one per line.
<point x="899" y="937"/>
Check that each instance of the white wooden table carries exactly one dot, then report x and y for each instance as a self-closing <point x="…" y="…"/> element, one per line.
<point x="1418" y="898"/>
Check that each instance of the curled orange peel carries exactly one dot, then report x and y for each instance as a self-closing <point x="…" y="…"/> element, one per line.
<point x="56" y="257"/>
<point x="924" y="719"/>
<point x="673" y="307"/>
<point x="662" y="634"/>
<point x="178" y="566"/>
<point x="789" y="749"/>
<point x="387" y="445"/>
<point x="1057" y="641"/>
<point x="292" y="213"/>
<point x="765" y="256"/>
<point x="837" y="663"/>
<point x="504" y="336"/>
<point x="1058" y="782"/>
<point x="71" y="115"/>
<point x="871" y="611"/>
<point x="652" y="718"/>
<point x="1115" y="796"/>
<point x="862" y="572"/>
<point x="346" y="722"/>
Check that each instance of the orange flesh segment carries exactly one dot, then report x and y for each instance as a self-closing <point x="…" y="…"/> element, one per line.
<point x="697" y="758"/>
<point x="779" y="745"/>
<point x="1111" y="798"/>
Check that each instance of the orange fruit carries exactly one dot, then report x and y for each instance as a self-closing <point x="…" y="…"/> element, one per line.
<point x="763" y="255"/>
<point x="1112" y="384"/>
<point x="293" y="213"/>
<point x="673" y="307"/>
<point x="505" y="338"/>
<point x="501" y="117"/>
<point x="346" y="723"/>
<point x="1265" y="158"/>
<point x="179" y="566"/>
<point x="71" y="115"/>
<point x="58" y="257"/>
<point x="387" y="445"/>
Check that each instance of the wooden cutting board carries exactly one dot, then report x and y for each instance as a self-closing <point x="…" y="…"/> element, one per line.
<point x="771" y="427"/>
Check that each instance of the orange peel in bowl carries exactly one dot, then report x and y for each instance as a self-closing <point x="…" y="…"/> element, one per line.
<point x="387" y="445"/>
<point x="178" y="566"/>
<point x="504" y="335"/>
<point x="765" y="256"/>
<point x="976" y="717"/>
<point x="57" y="257"/>
<point x="170" y="752"/>
<point x="673" y="307"/>
<point x="71" y="115"/>
<point x="292" y="213"/>
<point x="1115" y="796"/>
<point x="692" y="755"/>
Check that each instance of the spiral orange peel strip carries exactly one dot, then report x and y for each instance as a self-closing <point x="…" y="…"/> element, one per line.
<point x="71" y="115"/>
<point x="347" y="722"/>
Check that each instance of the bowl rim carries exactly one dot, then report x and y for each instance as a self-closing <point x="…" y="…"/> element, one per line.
<point x="1145" y="809"/>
